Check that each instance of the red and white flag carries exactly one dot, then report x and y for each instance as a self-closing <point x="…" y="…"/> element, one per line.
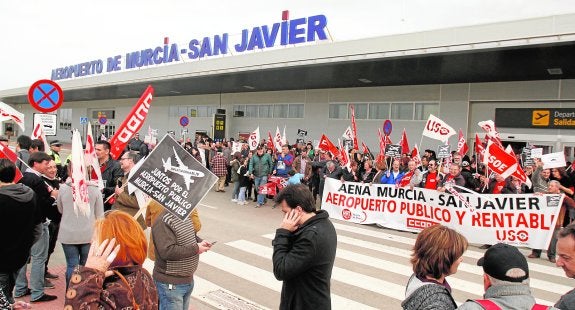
<point x="132" y="123"/>
<point x="489" y="127"/>
<point x="9" y="113"/>
<point x="278" y="140"/>
<point x="365" y="148"/>
<point x="326" y="145"/>
<point x="437" y="129"/>
<point x="254" y="139"/>
<point x="38" y="133"/>
<point x="479" y="149"/>
<point x="284" y="138"/>
<point x="354" y="127"/>
<point x="415" y="156"/>
<point x="498" y="160"/>
<point x="462" y="147"/>
<point x="91" y="160"/>
<point x="78" y="175"/>
<point x="404" y="143"/>
<point x="348" y="134"/>
<point x="6" y="152"/>
<point x="344" y="156"/>
<point x="270" y="144"/>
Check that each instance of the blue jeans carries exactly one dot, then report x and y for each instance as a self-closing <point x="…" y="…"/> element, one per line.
<point x="242" y="194"/>
<point x="236" y="190"/>
<point x="174" y="296"/>
<point x="76" y="254"/>
<point x="259" y="181"/>
<point x="38" y="254"/>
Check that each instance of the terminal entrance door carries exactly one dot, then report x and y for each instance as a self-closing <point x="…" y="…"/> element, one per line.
<point x="107" y="130"/>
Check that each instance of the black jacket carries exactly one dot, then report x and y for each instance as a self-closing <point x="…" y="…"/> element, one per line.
<point x="303" y="260"/>
<point x="17" y="221"/>
<point x="111" y="174"/>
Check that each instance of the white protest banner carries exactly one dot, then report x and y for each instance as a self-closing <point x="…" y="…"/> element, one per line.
<point x="536" y="153"/>
<point x="236" y="147"/>
<point x="553" y="160"/>
<point x="173" y="177"/>
<point x="9" y="113"/>
<point x="526" y="220"/>
<point x="437" y="129"/>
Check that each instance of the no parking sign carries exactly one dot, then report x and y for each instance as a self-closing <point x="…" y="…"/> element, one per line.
<point x="45" y="96"/>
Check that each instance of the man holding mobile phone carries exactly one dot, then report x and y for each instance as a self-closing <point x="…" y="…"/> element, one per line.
<point x="304" y="251"/>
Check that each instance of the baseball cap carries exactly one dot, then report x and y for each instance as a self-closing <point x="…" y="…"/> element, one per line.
<point x="505" y="262"/>
<point x="55" y="143"/>
<point x="3" y="138"/>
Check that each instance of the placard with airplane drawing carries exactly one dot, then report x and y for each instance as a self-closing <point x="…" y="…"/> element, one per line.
<point x="174" y="178"/>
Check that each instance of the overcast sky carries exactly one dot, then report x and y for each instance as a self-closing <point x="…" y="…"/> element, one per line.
<point x="38" y="35"/>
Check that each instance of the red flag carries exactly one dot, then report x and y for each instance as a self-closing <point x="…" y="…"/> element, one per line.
<point x="344" y="156"/>
<point x="365" y="148"/>
<point x="6" y="152"/>
<point x="38" y="133"/>
<point x="328" y="146"/>
<point x="478" y="145"/>
<point x="498" y="160"/>
<point x="268" y="189"/>
<point x="405" y="179"/>
<point x="462" y="147"/>
<point x="270" y="143"/>
<point x="132" y="123"/>
<point x="404" y="144"/>
<point x="354" y="128"/>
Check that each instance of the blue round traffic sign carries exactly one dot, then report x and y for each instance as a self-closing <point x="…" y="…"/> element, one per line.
<point x="102" y="120"/>
<point x="184" y="121"/>
<point x="45" y="96"/>
<point x="387" y="127"/>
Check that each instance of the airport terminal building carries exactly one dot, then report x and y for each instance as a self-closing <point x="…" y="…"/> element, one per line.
<point x="519" y="73"/>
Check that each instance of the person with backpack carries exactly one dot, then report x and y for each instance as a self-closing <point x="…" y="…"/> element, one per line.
<point x="506" y="281"/>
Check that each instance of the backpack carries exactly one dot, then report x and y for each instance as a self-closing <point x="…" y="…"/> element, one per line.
<point x="489" y="305"/>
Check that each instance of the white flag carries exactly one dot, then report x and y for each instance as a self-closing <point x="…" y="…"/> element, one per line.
<point x="489" y="127"/>
<point x="284" y="139"/>
<point x="254" y="139"/>
<point x="437" y="129"/>
<point x="9" y="113"/>
<point x="278" y="140"/>
<point x="90" y="158"/>
<point x="79" y="184"/>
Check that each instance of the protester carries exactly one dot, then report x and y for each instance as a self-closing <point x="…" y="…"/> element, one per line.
<point x="505" y="279"/>
<point x="394" y="175"/>
<point x="45" y="198"/>
<point x="260" y="166"/>
<point x="23" y="144"/>
<point x="154" y="209"/>
<point x="111" y="172"/>
<point x="243" y="182"/>
<point x="124" y="200"/>
<point x="284" y="162"/>
<point x="54" y="152"/>
<point x="331" y="170"/>
<point x="218" y="166"/>
<point x="568" y="204"/>
<point x="437" y="253"/>
<point x="55" y="217"/>
<point x="566" y="260"/>
<point x="177" y="251"/>
<point x="304" y="251"/>
<point x="234" y="170"/>
<point x="431" y="178"/>
<point x="454" y="177"/>
<point x="380" y="167"/>
<point x="351" y="175"/>
<point x="295" y="177"/>
<point x="302" y="164"/>
<point x="77" y="228"/>
<point x="113" y="277"/>
<point x="540" y="177"/>
<point x="18" y="217"/>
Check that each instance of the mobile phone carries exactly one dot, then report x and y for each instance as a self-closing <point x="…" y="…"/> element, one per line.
<point x="213" y="242"/>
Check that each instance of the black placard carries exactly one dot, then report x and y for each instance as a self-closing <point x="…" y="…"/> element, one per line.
<point x="393" y="150"/>
<point x="173" y="177"/>
<point x="443" y="151"/>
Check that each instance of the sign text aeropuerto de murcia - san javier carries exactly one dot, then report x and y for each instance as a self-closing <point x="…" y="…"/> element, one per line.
<point x="521" y="220"/>
<point x="284" y="33"/>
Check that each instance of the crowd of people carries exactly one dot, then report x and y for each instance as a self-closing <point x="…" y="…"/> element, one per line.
<point x="105" y="248"/>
